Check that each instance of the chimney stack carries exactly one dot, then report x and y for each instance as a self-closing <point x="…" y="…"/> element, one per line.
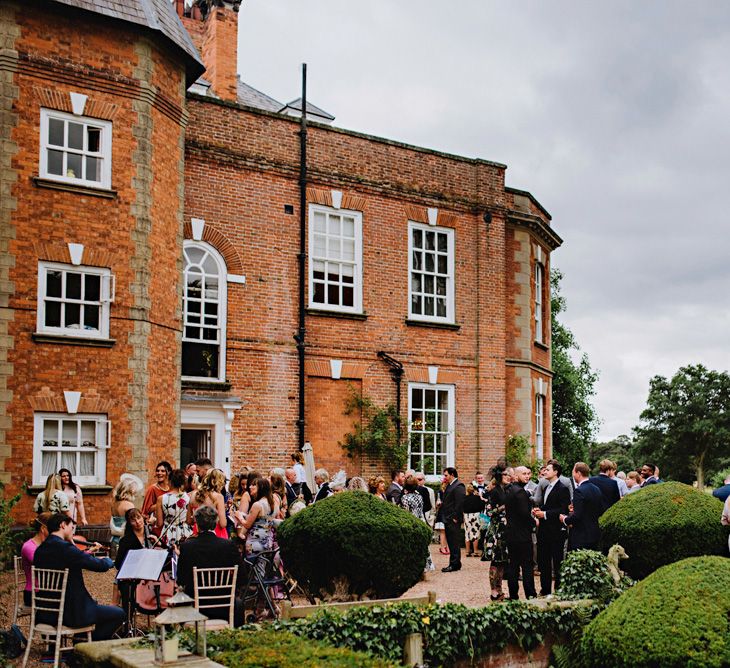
<point x="213" y="26"/>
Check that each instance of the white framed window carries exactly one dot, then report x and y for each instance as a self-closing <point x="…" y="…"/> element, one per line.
<point x="204" y="312"/>
<point x="431" y="271"/>
<point x="75" y="149"/>
<point x="335" y="259"/>
<point x="74" y="301"/>
<point x="539" y="426"/>
<point x="539" y="289"/>
<point x="431" y="415"/>
<point x="78" y="443"/>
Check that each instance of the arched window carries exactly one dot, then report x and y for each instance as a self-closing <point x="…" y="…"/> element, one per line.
<point x="204" y="313"/>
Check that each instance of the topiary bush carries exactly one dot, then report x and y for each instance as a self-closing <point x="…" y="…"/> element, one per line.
<point x="664" y="523"/>
<point x="585" y="574"/>
<point x="678" y="616"/>
<point x="353" y="544"/>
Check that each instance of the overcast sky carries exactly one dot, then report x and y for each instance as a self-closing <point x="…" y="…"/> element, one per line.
<point x="615" y="115"/>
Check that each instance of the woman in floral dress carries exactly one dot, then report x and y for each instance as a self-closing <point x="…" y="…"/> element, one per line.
<point x="412" y="501"/>
<point x="172" y="510"/>
<point x="495" y="545"/>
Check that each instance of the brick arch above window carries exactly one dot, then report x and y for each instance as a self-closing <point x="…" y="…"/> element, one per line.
<point x="419" y="214"/>
<point x="59" y="252"/>
<point x="323" y="196"/>
<point x="49" y="401"/>
<point x="60" y="100"/>
<point x="220" y="242"/>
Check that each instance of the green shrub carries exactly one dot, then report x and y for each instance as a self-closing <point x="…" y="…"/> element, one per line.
<point x="278" y="649"/>
<point x="585" y="574"/>
<point x="678" y="616"/>
<point x="354" y="544"/>
<point x="664" y="523"/>
<point x="451" y="632"/>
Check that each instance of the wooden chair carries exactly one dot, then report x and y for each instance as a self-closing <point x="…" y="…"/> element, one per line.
<point x="20" y="609"/>
<point x="215" y="588"/>
<point x="48" y="596"/>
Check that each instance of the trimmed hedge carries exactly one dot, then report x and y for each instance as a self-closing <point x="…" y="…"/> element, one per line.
<point x="678" y="616"/>
<point x="268" y="648"/>
<point x="356" y="542"/>
<point x="664" y="523"/>
<point x="584" y="574"/>
<point x="451" y="632"/>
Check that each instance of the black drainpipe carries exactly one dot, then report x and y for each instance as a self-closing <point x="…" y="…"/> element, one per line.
<point x="300" y="335"/>
<point x="396" y="368"/>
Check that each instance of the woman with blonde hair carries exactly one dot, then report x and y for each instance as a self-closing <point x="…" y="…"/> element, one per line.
<point x="210" y="494"/>
<point x="278" y="489"/>
<point x="52" y="499"/>
<point x="376" y="486"/>
<point x="123" y="497"/>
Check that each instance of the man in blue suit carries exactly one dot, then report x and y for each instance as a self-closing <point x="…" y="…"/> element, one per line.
<point x="59" y="552"/>
<point x="607" y="485"/>
<point x="585" y="534"/>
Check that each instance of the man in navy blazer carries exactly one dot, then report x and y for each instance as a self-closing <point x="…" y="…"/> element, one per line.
<point x="585" y="534"/>
<point x="608" y="486"/>
<point x="59" y="552"/>
<point x="551" y="532"/>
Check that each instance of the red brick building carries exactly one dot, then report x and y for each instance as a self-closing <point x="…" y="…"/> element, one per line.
<point x="149" y="288"/>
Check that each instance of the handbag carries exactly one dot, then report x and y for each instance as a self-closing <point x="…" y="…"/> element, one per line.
<point x="484" y="520"/>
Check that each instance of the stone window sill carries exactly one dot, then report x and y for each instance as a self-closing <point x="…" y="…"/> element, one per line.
<point x="337" y="314"/>
<point x="454" y="327"/>
<point x="73" y="188"/>
<point x="209" y="385"/>
<point x="541" y="345"/>
<point x="39" y="337"/>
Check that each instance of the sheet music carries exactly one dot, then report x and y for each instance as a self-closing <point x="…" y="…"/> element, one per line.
<point x="142" y="565"/>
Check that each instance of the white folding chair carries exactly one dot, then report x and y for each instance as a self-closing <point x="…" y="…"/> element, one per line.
<point x="48" y="596"/>
<point x="20" y="609"/>
<point x="215" y="589"/>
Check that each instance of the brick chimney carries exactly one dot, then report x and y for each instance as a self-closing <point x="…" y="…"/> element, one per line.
<point x="213" y="26"/>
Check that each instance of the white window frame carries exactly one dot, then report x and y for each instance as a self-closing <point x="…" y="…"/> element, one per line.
<point x="222" y="309"/>
<point x="357" y="263"/>
<point x="103" y="444"/>
<point x="106" y="297"/>
<point x="450" y="434"/>
<point x="104" y="153"/>
<point x="539" y="290"/>
<point x="450" y="316"/>
<point x="540" y="426"/>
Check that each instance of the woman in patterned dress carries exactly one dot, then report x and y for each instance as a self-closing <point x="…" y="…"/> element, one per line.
<point x="171" y="510"/>
<point x="412" y="501"/>
<point x="473" y="507"/>
<point x="495" y="544"/>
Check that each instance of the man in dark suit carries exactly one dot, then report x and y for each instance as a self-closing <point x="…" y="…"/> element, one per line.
<point x="518" y="534"/>
<point x="394" y="493"/>
<point x="650" y="474"/>
<point x="551" y="532"/>
<point x="608" y="486"/>
<point x="206" y="550"/>
<point x="585" y="534"/>
<point x="59" y="552"/>
<point x="452" y="512"/>
<point x="295" y="489"/>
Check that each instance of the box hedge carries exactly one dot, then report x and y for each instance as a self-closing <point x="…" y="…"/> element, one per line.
<point x="354" y="544"/>
<point x="678" y="616"/>
<point x="664" y="523"/>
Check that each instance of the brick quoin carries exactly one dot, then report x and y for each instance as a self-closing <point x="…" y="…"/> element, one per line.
<point x="179" y="157"/>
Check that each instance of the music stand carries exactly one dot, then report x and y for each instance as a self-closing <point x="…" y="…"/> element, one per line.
<point x="139" y="565"/>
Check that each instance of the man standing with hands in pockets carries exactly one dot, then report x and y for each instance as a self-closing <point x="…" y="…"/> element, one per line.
<point x="452" y="511"/>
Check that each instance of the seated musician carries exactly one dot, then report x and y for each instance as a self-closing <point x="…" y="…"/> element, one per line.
<point x="59" y="552"/>
<point x="206" y="550"/>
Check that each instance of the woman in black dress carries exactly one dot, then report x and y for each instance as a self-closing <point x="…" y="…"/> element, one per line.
<point x="136" y="537"/>
<point x="495" y="545"/>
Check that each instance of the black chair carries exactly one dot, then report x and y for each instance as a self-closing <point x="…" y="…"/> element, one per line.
<point x="265" y="582"/>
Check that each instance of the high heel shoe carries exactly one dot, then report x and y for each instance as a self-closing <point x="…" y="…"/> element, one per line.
<point x="498" y="597"/>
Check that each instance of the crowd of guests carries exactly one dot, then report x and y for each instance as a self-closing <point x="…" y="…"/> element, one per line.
<point x="520" y="525"/>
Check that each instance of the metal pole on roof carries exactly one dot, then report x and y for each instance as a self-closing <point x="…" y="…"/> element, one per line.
<point x="299" y="337"/>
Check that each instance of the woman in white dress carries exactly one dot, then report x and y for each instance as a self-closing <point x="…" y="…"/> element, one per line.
<point x="171" y="510"/>
<point x="75" y="497"/>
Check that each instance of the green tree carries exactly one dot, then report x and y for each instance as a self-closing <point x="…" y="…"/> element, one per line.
<point x="574" y="418"/>
<point x="619" y="450"/>
<point x="685" y="427"/>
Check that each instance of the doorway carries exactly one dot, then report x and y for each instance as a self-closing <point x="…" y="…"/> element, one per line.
<point x="195" y="444"/>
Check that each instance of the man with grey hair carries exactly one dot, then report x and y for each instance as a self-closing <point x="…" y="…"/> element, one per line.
<point x="322" y="480"/>
<point x="206" y="550"/>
